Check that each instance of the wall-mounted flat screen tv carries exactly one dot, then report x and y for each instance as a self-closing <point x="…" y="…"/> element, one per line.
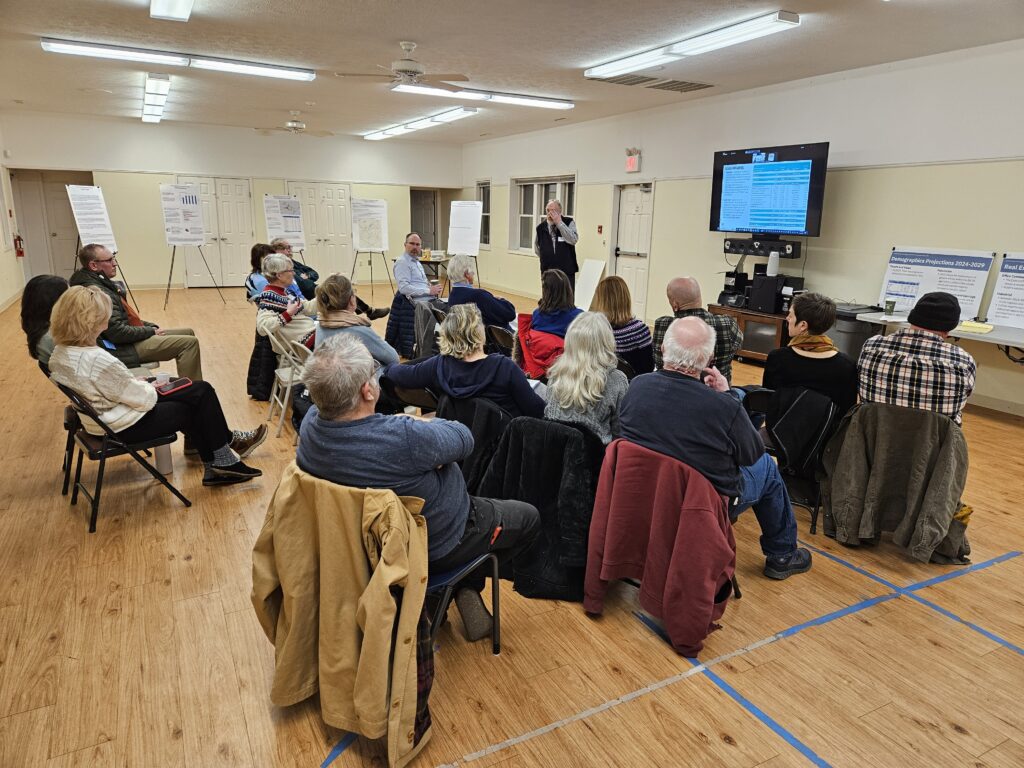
<point x="769" y="190"/>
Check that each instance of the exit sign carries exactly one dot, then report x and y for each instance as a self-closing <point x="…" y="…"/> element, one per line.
<point x="633" y="163"/>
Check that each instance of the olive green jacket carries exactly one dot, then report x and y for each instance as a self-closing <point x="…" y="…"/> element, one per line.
<point x="119" y="332"/>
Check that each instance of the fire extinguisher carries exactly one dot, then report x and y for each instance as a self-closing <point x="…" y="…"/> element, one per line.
<point x="19" y="247"/>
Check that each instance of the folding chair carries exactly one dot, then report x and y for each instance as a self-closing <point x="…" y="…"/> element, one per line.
<point x="423" y="399"/>
<point x="302" y="354"/>
<point x="100" y="448"/>
<point x="626" y="368"/>
<point x="501" y="339"/>
<point x="445" y="584"/>
<point x="439" y="314"/>
<point x="287" y="375"/>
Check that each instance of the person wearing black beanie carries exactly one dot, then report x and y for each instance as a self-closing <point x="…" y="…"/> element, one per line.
<point x="916" y="367"/>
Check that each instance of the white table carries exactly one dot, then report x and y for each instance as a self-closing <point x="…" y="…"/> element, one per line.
<point x="1002" y="335"/>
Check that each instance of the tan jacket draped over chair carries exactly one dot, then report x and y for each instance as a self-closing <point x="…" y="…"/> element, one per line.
<point x="324" y="566"/>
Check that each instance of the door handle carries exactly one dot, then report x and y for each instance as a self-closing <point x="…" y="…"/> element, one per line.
<point x="53" y="234"/>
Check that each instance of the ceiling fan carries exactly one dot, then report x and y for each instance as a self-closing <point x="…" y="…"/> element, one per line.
<point x="408" y="71"/>
<point x="293" y="125"/>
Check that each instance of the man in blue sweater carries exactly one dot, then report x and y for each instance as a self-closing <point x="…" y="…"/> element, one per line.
<point x="343" y="440"/>
<point x="493" y="310"/>
<point x="687" y="411"/>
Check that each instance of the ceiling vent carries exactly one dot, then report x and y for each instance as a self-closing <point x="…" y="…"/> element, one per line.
<point x="661" y="84"/>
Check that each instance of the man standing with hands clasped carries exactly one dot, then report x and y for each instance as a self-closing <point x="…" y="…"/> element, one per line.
<point x="555" y="243"/>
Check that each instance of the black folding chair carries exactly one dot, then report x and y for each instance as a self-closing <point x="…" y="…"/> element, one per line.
<point x="501" y="339"/>
<point x="626" y="368"/>
<point x="423" y="399"/>
<point x="100" y="448"/>
<point x="444" y="584"/>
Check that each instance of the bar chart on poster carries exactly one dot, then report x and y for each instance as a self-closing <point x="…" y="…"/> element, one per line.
<point x="183" y="214"/>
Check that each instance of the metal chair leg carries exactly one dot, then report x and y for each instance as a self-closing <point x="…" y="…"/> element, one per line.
<point x="284" y="408"/>
<point x="814" y="509"/>
<point x="96" y="495"/>
<point x="495" y="607"/>
<point x="736" y="587"/>
<point x="69" y="456"/>
<point x="440" y="611"/>
<point x="78" y="478"/>
<point x="163" y="480"/>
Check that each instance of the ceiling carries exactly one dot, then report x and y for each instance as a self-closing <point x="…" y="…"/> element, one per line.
<point x="530" y="46"/>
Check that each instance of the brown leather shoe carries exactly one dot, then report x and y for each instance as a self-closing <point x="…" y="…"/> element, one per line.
<point x="379" y="312"/>
<point x="244" y="443"/>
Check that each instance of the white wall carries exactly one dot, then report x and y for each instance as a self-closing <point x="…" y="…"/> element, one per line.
<point x="71" y="142"/>
<point x="966" y="105"/>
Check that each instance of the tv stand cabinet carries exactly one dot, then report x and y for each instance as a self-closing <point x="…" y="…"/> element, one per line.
<point x="762" y="332"/>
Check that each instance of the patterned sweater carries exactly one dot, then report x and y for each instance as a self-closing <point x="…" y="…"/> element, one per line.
<point x="272" y="316"/>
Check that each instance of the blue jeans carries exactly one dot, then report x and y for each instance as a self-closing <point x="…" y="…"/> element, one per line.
<point x="764" y="490"/>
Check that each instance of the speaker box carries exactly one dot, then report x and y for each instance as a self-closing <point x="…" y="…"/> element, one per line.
<point x="764" y="294"/>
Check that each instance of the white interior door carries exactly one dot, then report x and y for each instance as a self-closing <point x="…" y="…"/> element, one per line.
<point x="30" y="205"/>
<point x="336" y="224"/>
<point x="196" y="273"/>
<point x="633" y="242"/>
<point x="309" y="199"/>
<point x="234" y="220"/>
<point x="63" y="232"/>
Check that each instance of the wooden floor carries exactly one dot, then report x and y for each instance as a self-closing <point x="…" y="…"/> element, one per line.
<point x="137" y="645"/>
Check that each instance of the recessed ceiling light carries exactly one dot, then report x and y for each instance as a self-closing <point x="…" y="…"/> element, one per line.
<point x="170" y="10"/>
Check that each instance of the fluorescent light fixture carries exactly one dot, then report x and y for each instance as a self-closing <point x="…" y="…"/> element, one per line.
<point x="117" y="52"/>
<point x="416" y="125"/>
<point x="427" y="90"/>
<point x="249" y="68"/>
<point x="151" y="118"/>
<point x="531" y="101"/>
<point x="170" y="10"/>
<point x="769" y="24"/>
<point x="633" y="63"/>
<point x="158" y="84"/>
<point x="454" y="114"/>
<point x="471" y="95"/>
<point x="148" y="109"/>
<point x="155" y="99"/>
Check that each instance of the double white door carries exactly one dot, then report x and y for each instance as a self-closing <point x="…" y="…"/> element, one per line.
<point x="327" y="221"/>
<point x="633" y="243"/>
<point x="227" y="219"/>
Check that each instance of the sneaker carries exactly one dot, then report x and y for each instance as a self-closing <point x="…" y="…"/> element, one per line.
<point x="476" y="619"/>
<point x="799" y="561"/>
<point x="229" y="475"/>
<point x="244" y="443"/>
<point x="378" y="313"/>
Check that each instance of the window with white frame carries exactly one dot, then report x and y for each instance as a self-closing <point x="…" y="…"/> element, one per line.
<point x="483" y="194"/>
<point x="530" y="197"/>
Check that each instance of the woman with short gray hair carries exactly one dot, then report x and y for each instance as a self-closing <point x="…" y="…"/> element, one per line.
<point x="463" y="371"/>
<point x="493" y="311"/>
<point x="280" y="312"/>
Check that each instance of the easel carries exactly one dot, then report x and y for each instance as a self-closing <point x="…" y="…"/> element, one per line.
<point x="174" y="250"/>
<point x="383" y="257"/>
<point x="128" y="288"/>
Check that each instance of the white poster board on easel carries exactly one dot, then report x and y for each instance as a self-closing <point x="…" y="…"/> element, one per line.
<point x="464" y="227"/>
<point x="91" y="217"/>
<point x="587" y="278"/>
<point x="183" y="214"/>
<point x="369" y="225"/>
<point x="1007" y="305"/>
<point x="283" y="214"/>
<point x="913" y="272"/>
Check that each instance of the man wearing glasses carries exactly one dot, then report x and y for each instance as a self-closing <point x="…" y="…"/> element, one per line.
<point x="128" y="337"/>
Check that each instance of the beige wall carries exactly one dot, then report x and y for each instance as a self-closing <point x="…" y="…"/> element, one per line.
<point x="399" y="218"/>
<point x="133" y="202"/>
<point x="12" y="278"/>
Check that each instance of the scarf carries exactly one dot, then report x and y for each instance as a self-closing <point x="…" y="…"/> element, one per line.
<point x="342" y="318"/>
<point x="809" y="342"/>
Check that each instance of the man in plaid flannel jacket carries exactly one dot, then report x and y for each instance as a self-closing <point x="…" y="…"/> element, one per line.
<point x="684" y="297"/>
<point x="915" y="367"/>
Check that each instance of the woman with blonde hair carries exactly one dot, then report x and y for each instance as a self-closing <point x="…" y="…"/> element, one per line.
<point x="336" y="305"/>
<point x="584" y="385"/>
<point x="632" y="336"/>
<point x="132" y="407"/>
<point x="462" y="370"/>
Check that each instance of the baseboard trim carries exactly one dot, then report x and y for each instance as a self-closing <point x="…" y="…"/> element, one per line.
<point x="11" y="301"/>
<point x="997" y="404"/>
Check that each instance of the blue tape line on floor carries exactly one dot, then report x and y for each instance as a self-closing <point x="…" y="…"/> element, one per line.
<point x="340" y="747"/>
<point x="838" y="614"/>
<point x="911" y="591"/>
<point x="771" y="723"/>
<point x="967" y="569"/>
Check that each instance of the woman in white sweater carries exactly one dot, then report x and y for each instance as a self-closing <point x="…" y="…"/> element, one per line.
<point x="584" y="384"/>
<point x="132" y="407"/>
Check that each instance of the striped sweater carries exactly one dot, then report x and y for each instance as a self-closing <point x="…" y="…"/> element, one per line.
<point x="632" y="336"/>
<point x="272" y="316"/>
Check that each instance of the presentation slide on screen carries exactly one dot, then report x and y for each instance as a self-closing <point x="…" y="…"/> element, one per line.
<point x="913" y="272"/>
<point x="766" y="195"/>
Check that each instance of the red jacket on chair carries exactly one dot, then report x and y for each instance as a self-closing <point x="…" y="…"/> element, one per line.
<point x="660" y="521"/>
<point x="539" y="349"/>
